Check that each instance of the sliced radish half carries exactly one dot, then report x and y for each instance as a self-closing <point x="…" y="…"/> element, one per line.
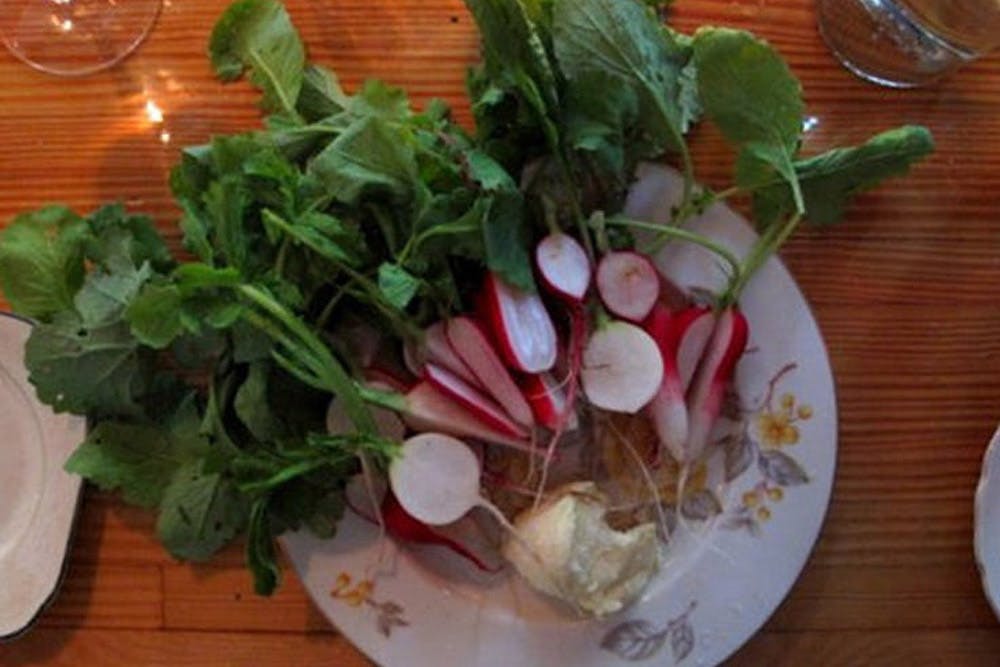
<point x="629" y="284"/>
<point x="475" y="349"/>
<point x="521" y="326"/>
<point x="622" y="368"/>
<point x="562" y="262"/>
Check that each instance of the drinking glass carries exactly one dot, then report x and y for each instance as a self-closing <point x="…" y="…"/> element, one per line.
<point x="74" y="37"/>
<point x="907" y="43"/>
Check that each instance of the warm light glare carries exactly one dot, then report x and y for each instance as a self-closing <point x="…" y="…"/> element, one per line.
<point x="810" y="124"/>
<point x="153" y="112"/>
<point x="66" y="25"/>
<point x="165" y="137"/>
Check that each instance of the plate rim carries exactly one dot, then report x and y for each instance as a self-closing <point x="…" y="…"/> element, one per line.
<point x="987" y="465"/>
<point x="60" y="577"/>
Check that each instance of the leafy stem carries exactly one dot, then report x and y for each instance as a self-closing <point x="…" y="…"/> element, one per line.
<point x="307" y="348"/>
<point x="768" y="243"/>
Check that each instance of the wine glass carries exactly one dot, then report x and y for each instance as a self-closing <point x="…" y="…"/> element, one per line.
<point x="75" y="37"/>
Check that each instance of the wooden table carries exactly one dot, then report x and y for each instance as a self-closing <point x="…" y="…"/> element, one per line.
<point x="905" y="293"/>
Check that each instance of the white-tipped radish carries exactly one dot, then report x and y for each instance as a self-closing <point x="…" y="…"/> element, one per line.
<point x="729" y="341"/>
<point x="622" y="368"/>
<point x="548" y="402"/>
<point x="427" y="409"/>
<point x="475" y="349"/>
<point x="696" y="324"/>
<point x="436" y="478"/>
<point x="439" y="351"/>
<point x="564" y="267"/>
<point x="470" y="398"/>
<point x="629" y="284"/>
<point x="521" y="326"/>
<point x="668" y="409"/>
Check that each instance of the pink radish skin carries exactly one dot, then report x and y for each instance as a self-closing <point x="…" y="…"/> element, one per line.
<point x="521" y="326"/>
<point x="474" y="348"/>
<point x="729" y="341"/>
<point x="622" y="368"/>
<point x="403" y="526"/>
<point x="563" y="265"/>
<point x="440" y="352"/>
<point x="548" y="402"/>
<point x="629" y="284"/>
<point x="484" y="409"/>
<point x="696" y="325"/>
<point x="668" y="409"/>
<point x="427" y="409"/>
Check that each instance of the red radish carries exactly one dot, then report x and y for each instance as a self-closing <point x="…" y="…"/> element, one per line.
<point x="629" y="284"/>
<point x="668" y="409"/>
<point x="427" y="409"/>
<point x="521" y="326"/>
<point x="403" y="526"/>
<point x="696" y="324"/>
<point x="484" y="409"/>
<point x="548" y="402"/>
<point x="472" y="346"/>
<point x="729" y="341"/>
<point x="622" y="368"/>
<point x="563" y="264"/>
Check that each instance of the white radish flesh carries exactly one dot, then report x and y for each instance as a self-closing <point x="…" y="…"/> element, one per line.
<point x="629" y="284"/>
<point x="564" y="266"/>
<point x="473" y="348"/>
<point x="427" y="409"/>
<point x="436" y="478"/>
<point x="707" y="392"/>
<point x="622" y="368"/>
<point x="521" y="326"/>
<point x="484" y="409"/>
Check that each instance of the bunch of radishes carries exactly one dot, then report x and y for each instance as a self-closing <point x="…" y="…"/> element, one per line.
<point x="491" y="377"/>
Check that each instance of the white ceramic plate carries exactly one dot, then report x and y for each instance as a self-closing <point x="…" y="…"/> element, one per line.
<point x="987" y="542"/>
<point x="719" y="583"/>
<point x="38" y="500"/>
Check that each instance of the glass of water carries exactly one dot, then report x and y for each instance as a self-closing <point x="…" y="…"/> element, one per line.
<point x="74" y="37"/>
<point x="907" y="43"/>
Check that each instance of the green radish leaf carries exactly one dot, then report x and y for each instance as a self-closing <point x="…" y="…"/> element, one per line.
<point x="623" y="42"/>
<point x="748" y="91"/>
<point x="258" y="35"/>
<point x="41" y="261"/>
<point x="397" y="285"/>
<point x="504" y="240"/>
<point x="200" y="513"/>
<point x="261" y="555"/>
<point x="368" y="156"/>
<point x="139" y="459"/>
<point x="830" y="180"/>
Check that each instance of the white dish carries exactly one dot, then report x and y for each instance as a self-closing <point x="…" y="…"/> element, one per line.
<point x="987" y="529"/>
<point x="38" y="500"/>
<point x="429" y="608"/>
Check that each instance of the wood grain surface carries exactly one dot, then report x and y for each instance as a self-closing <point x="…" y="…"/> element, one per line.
<point x="905" y="292"/>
